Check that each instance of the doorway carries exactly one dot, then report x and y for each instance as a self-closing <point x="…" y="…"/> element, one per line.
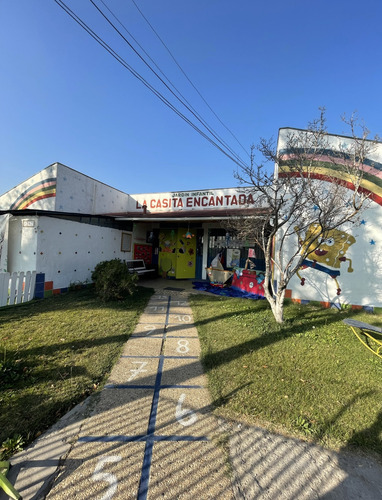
<point x="177" y="253"/>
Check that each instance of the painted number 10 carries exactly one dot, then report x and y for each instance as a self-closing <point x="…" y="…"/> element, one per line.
<point x="186" y="318"/>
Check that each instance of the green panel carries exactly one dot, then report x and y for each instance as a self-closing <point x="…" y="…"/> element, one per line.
<point x="185" y="254"/>
<point x="167" y="252"/>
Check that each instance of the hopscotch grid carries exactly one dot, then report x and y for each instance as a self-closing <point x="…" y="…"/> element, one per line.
<point x="180" y="337"/>
<point x="129" y="386"/>
<point x="153" y="387"/>
<point x="140" y="357"/>
<point x="150" y="438"/>
<point x="148" y="453"/>
<point x="139" y="438"/>
<point x="160" y="356"/>
<point x="146" y="337"/>
<point x="169" y="386"/>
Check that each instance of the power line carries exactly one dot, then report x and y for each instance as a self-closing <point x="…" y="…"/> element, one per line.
<point x="188" y="79"/>
<point x="203" y="122"/>
<point x="195" y="112"/>
<point x="116" y="56"/>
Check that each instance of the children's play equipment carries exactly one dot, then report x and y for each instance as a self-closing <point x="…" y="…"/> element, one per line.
<point x="370" y="336"/>
<point x="216" y="273"/>
<point x="246" y="280"/>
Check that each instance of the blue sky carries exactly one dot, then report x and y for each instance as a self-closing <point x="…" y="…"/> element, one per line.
<point x="259" y="65"/>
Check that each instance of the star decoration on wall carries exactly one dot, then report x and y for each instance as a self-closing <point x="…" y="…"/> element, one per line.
<point x="372" y="242"/>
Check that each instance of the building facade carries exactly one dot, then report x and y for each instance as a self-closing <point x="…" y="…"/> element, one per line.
<point x="61" y="223"/>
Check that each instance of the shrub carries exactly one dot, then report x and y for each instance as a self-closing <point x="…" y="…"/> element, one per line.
<point x="113" y="281"/>
<point x="11" y="446"/>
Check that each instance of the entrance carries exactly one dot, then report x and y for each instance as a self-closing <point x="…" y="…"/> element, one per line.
<point x="177" y="253"/>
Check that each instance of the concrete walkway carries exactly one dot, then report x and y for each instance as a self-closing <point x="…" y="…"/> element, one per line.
<point x="150" y="434"/>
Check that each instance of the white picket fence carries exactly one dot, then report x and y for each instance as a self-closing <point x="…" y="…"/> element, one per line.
<point x="16" y="287"/>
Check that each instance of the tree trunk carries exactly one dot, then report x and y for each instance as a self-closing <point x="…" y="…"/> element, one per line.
<point x="277" y="304"/>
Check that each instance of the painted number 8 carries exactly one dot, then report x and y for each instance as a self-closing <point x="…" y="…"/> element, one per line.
<point x="182" y="346"/>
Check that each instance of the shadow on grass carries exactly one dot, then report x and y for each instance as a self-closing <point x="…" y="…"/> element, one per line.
<point x="296" y="324"/>
<point x="35" y="372"/>
<point x="355" y="440"/>
<point x="70" y="301"/>
<point x="303" y="318"/>
<point x="278" y="334"/>
<point x="28" y="354"/>
<point x="372" y="434"/>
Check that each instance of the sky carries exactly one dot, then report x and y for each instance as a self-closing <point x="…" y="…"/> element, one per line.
<point x="259" y="66"/>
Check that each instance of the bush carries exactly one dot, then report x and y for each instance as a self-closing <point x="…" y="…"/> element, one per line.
<point x="113" y="281"/>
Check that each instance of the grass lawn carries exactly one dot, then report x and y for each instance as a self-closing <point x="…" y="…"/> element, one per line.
<point x="310" y="377"/>
<point x="54" y="352"/>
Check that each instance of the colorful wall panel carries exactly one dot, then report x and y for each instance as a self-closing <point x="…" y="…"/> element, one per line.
<point x="346" y="268"/>
<point x="177" y="253"/>
<point x="143" y="252"/>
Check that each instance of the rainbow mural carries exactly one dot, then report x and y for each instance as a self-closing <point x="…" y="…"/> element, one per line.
<point x="327" y="167"/>
<point x="39" y="191"/>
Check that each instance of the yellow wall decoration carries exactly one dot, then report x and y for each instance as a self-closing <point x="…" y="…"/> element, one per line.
<point x="177" y="254"/>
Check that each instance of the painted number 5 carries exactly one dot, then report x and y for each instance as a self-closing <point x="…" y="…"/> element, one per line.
<point x="106" y="476"/>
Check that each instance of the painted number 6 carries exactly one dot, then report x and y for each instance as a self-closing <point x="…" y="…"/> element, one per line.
<point x="184" y="416"/>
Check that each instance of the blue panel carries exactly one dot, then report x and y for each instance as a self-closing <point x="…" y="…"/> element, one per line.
<point x="40" y="278"/>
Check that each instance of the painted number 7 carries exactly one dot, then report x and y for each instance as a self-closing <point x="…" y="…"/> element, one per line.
<point x="106" y="476"/>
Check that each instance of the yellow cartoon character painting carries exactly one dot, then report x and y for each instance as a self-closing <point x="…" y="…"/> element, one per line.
<point x="325" y="254"/>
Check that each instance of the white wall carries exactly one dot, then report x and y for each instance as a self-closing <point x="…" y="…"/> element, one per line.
<point x="67" y="251"/>
<point x="4" y="224"/>
<point x="361" y="286"/>
<point x="63" y="189"/>
<point x="26" y="194"/>
<point x="22" y="244"/>
<point x="78" y="193"/>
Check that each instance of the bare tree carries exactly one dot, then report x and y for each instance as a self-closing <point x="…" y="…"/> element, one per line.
<point x="315" y="187"/>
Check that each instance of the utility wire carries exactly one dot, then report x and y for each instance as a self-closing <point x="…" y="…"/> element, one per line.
<point x="201" y="119"/>
<point x="165" y="84"/>
<point x="188" y="79"/>
<point x="116" y="56"/>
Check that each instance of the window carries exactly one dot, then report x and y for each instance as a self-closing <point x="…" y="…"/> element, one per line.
<point x="126" y="242"/>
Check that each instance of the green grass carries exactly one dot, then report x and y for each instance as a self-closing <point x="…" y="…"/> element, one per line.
<point x="309" y="377"/>
<point x="54" y="352"/>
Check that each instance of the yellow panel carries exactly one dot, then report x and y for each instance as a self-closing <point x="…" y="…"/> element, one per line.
<point x="185" y="254"/>
<point x="167" y="252"/>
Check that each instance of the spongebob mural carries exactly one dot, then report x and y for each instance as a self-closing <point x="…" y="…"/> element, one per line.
<point x="325" y="254"/>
